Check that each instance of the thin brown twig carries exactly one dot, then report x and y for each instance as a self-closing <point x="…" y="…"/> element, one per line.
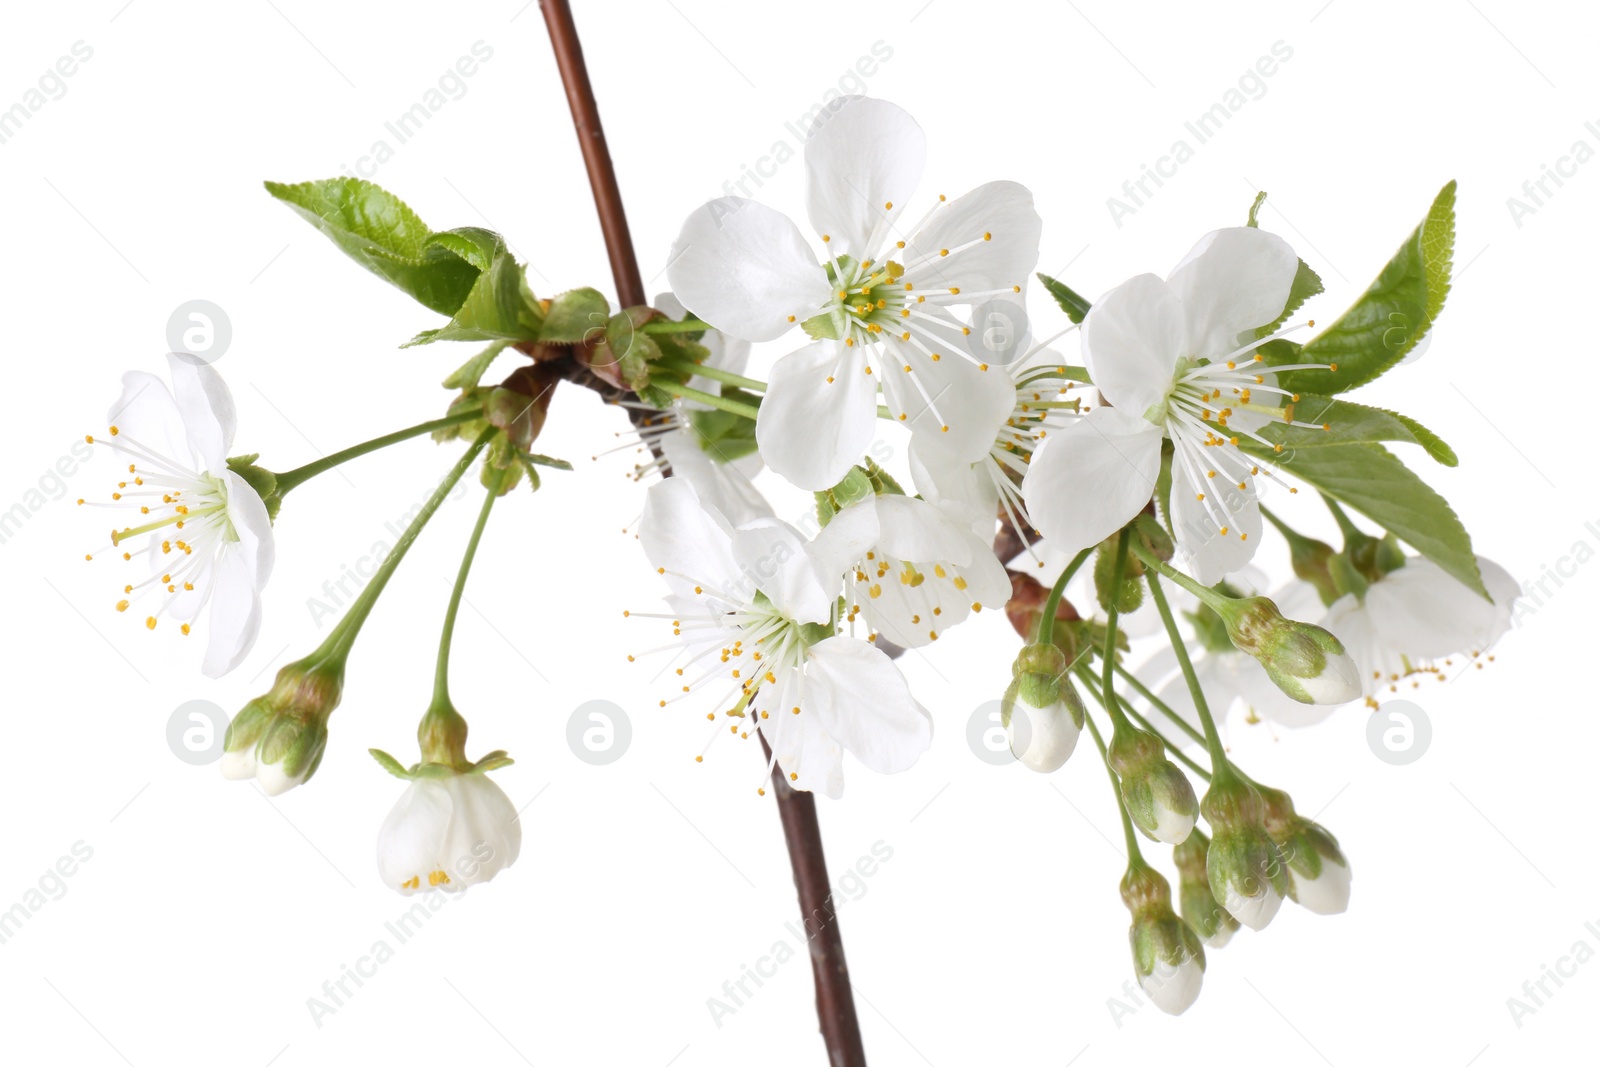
<point x="836" y="1011"/>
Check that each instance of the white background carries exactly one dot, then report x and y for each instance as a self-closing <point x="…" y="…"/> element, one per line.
<point x="207" y="916"/>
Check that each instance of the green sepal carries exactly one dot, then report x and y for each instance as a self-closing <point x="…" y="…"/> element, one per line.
<point x="470" y="373"/>
<point x="390" y="764"/>
<point x="263" y="481"/>
<point x="1074" y="305"/>
<point x="828" y="326"/>
<point x="574" y="316"/>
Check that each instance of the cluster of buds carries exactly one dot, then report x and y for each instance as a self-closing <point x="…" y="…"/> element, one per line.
<point x="278" y="738"/>
<point x="1041" y="712"/>
<point x="1244" y="865"/>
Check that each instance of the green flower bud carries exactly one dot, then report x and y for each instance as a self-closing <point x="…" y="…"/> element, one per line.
<point x="1041" y="712"/>
<point x="1167" y="956"/>
<point x="1307" y="662"/>
<point x="1159" y="798"/>
<point x="1201" y="911"/>
<point x="1319" y="874"/>
<point x="278" y="738"/>
<point x="1246" y="870"/>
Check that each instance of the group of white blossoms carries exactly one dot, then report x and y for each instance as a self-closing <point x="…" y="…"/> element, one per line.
<point x="921" y="324"/>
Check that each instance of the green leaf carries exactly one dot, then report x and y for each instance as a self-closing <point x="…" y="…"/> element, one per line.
<point x="377" y="230"/>
<point x="472" y="243"/>
<point x="1390" y="317"/>
<point x="1368" y="478"/>
<point x="1074" y="305"/>
<point x="499" y="307"/>
<point x="575" y="315"/>
<point x="1352" y="423"/>
<point x="472" y="371"/>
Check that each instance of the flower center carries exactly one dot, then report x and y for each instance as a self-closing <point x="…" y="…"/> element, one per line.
<point x="168" y="496"/>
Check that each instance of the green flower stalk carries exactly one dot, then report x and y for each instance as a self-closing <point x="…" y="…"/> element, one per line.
<point x="279" y="737"/>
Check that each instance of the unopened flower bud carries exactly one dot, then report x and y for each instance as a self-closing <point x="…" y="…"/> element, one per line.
<point x="1246" y="870"/>
<point x="278" y="738"/>
<point x="1041" y="712"/>
<point x="1167" y="956"/>
<point x="1200" y="909"/>
<point x="1319" y="874"/>
<point x="1158" y="795"/>
<point x="1305" y="661"/>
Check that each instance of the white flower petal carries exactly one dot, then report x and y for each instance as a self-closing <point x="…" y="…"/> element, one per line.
<point x="917" y="532"/>
<point x="861" y="699"/>
<point x="801" y="743"/>
<point x="866" y="155"/>
<point x="1207" y="552"/>
<point x="1004" y="211"/>
<point x="1174" y="987"/>
<point x="147" y="414"/>
<point x="1133" y="338"/>
<point x="818" y="415"/>
<point x="207" y="408"/>
<point x="1326" y="894"/>
<point x="247" y="514"/>
<point x="1428" y="614"/>
<point x="1050" y="735"/>
<point x="1255" y="912"/>
<point x="745" y="269"/>
<point x="847" y="538"/>
<point x="235" y="617"/>
<point x="692" y="544"/>
<point x="484" y="836"/>
<point x="1231" y="282"/>
<point x="1090" y="479"/>
<point x="958" y="408"/>
<point x="723" y="485"/>
<point x="410" y="839"/>
<point x="964" y="487"/>
<point x="772" y="557"/>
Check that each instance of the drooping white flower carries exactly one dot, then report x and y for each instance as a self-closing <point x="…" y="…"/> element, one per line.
<point x="1042" y="739"/>
<point x="209" y="536"/>
<point x="721" y="467"/>
<point x="910" y="569"/>
<point x="447" y="834"/>
<point x="1176" y="360"/>
<point x="876" y="306"/>
<point x="754" y="607"/>
<point x="1414" y="617"/>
